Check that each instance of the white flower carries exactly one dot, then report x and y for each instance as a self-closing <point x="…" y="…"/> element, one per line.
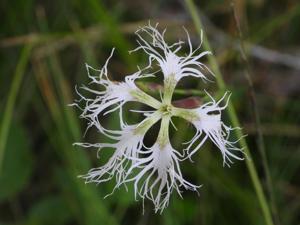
<point x="155" y="171"/>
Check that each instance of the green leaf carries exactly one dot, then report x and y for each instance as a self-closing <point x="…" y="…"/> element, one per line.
<point x="17" y="163"/>
<point x="49" y="210"/>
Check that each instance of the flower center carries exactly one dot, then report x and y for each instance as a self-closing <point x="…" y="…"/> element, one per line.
<point x="166" y="109"/>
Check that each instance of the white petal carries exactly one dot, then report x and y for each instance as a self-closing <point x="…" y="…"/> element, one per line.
<point x="211" y="125"/>
<point x="127" y="148"/>
<point x="166" y="55"/>
<point x="161" y="174"/>
<point x="106" y="96"/>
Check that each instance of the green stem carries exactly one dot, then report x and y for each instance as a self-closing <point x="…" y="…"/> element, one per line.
<point x="9" y="108"/>
<point x="253" y="97"/>
<point x="233" y="117"/>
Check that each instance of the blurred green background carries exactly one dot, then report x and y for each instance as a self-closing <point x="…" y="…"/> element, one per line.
<point x="43" y="47"/>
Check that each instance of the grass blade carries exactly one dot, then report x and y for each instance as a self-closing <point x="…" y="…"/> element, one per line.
<point x="233" y="117"/>
<point x="12" y="96"/>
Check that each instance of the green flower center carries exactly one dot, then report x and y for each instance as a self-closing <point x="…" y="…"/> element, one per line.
<point x="166" y="109"/>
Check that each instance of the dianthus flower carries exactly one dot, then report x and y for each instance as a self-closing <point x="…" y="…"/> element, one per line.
<point x="154" y="171"/>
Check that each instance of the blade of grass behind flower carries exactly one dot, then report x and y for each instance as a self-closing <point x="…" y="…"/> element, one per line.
<point x="12" y="96"/>
<point x="233" y="117"/>
<point x="260" y="138"/>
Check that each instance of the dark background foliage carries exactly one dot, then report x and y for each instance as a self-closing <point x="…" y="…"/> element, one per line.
<point x="43" y="47"/>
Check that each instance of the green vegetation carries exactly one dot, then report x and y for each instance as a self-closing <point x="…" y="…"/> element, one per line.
<point x="43" y="50"/>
